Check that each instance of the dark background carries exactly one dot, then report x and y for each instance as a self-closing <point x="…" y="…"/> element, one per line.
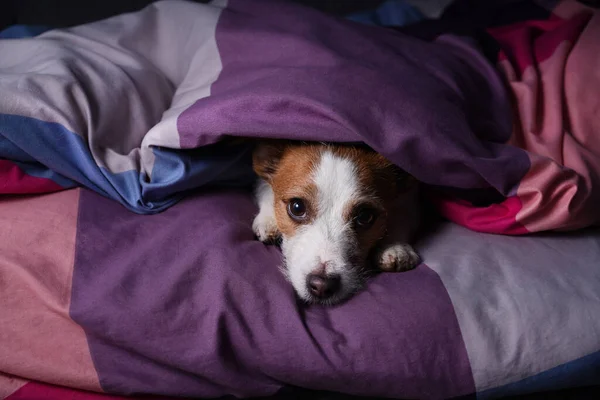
<point x="60" y="13"/>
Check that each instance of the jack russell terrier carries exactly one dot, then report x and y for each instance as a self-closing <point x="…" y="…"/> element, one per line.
<point x="339" y="212"/>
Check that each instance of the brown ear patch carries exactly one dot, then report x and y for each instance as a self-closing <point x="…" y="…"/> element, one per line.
<point x="403" y="180"/>
<point x="388" y="174"/>
<point x="266" y="157"/>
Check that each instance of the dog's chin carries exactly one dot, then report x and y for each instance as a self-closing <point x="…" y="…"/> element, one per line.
<point x="328" y="302"/>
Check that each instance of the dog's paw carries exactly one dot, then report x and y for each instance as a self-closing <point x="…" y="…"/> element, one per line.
<point x="265" y="228"/>
<point x="398" y="258"/>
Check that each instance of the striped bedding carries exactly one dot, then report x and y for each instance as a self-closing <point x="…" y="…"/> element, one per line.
<point x="127" y="259"/>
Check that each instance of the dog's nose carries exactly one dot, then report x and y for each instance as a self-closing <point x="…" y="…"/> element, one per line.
<point x="323" y="286"/>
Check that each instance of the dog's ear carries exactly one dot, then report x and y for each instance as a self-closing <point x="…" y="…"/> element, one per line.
<point x="404" y="181"/>
<point x="266" y="157"/>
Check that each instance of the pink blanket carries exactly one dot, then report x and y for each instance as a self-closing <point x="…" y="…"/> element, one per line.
<point x="552" y="69"/>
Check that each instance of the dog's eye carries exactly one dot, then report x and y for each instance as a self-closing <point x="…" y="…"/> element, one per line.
<point x="297" y="209"/>
<point x="365" y="217"/>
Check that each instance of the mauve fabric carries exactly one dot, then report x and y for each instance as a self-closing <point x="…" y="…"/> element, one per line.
<point x="37" y="243"/>
<point x="187" y="302"/>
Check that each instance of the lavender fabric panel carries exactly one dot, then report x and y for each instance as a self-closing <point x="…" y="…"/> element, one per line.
<point x="527" y="306"/>
<point x="188" y="303"/>
<point x="436" y="109"/>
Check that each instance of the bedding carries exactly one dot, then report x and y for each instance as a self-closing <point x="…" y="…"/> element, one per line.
<point x="141" y="109"/>
<point x="187" y="76"/>
<point x="187" y="303"/>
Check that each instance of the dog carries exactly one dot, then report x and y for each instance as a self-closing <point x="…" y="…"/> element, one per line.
<point x="339" y="213"/>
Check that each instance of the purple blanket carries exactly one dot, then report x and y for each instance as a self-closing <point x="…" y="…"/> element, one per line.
<point x="187" y="76"/>
<point x="188" y="303"/>
<point x="245" y="69"/>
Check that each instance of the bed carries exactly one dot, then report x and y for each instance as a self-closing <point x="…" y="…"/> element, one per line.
<point x="128" y="265"/>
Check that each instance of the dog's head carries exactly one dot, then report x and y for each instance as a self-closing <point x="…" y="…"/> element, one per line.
<point x="332" y="204"/>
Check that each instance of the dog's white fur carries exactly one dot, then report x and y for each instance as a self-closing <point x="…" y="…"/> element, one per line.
<point x="265" y="225"/>
<point x="328" y="239"/>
